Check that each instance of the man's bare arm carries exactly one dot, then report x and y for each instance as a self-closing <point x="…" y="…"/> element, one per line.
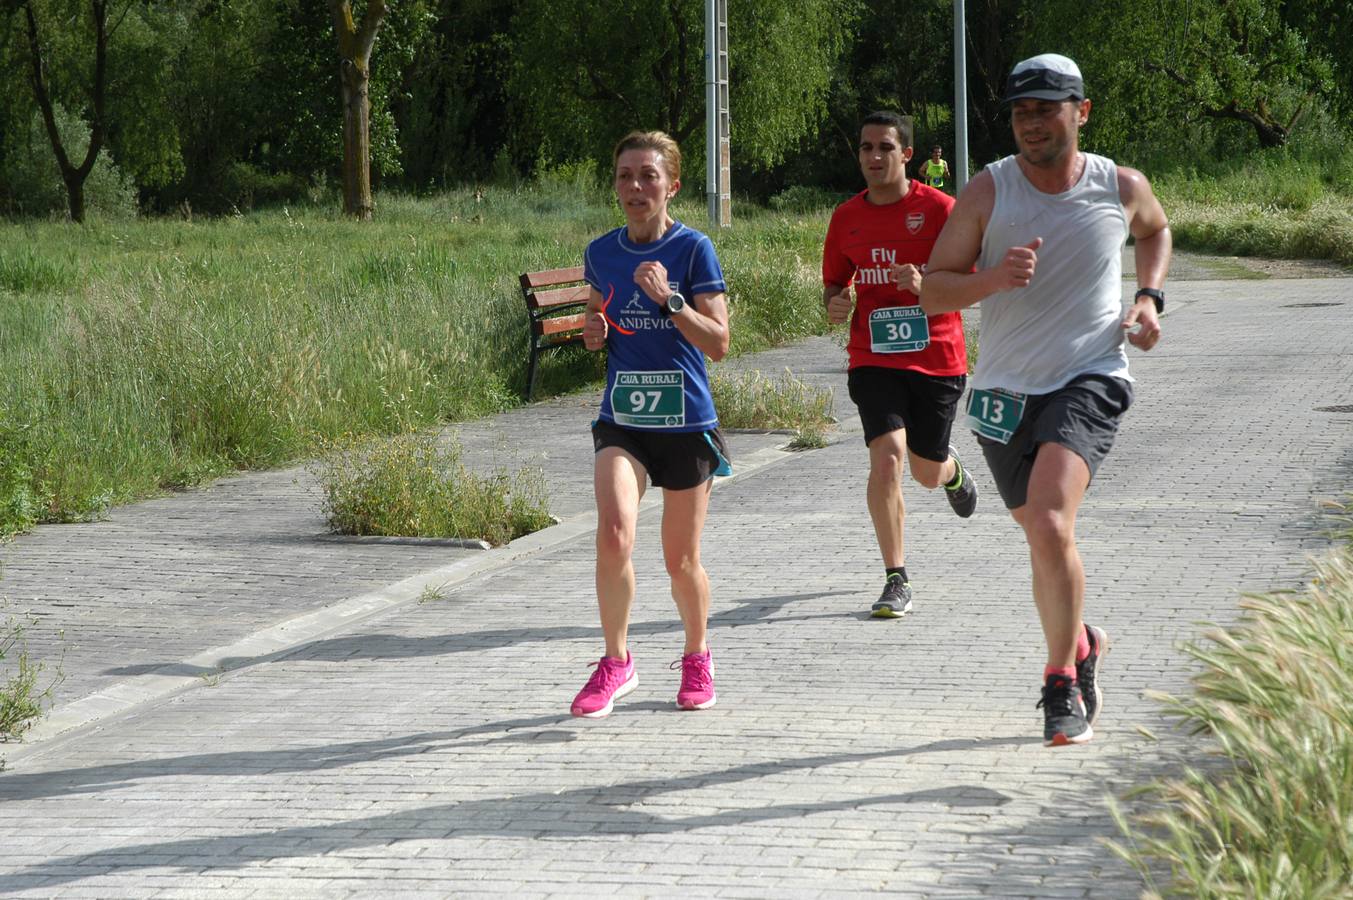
<point x="1152" y="241"/>
<point x="950" y="283"/>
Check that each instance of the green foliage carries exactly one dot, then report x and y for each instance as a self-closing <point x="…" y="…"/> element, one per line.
<point x="640" y="65"/>
<point x="451" y="104"/>
<point x="409" y="485"/>
<point x="21" y="499"/>
<point x="298" y="88"/>
<point x="1180" y="78"/>
<point x="214" y="107"/>
<point x="30" y="179"/>
<point x="803" y="198"/>
<point x="155" y="354"/>
<point x="1278" y="203"/>
<point x="22" y="699"/>
<point x="750" y="399"/>
<point x="1276" y="699"/>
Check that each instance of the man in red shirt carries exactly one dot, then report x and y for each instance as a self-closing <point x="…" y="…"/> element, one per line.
<point x="907" y="370"/>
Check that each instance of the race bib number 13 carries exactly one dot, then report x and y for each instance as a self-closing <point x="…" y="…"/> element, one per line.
<point x="995" y="413"/>
<point x="898" y="329"/>
<point x="649" y="399"/>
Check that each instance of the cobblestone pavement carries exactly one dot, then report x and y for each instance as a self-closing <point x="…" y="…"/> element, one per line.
<point x="280" y="715"/>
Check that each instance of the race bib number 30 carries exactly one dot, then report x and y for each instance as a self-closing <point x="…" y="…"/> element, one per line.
<point x="995" y="413"/>
<point x="649" y="399"/>
<point x="898" y="329"/>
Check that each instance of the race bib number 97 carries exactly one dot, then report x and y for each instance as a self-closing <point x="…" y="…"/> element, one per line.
<point x="898" y="329"/>
<point x="995" y="413"/>
<point x="649" y="399"/>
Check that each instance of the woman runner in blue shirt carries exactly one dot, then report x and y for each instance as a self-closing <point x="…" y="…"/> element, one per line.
<point x="657" y="304"/>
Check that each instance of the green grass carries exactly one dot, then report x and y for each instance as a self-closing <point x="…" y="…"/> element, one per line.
<point x="151" y="355"/>
<point x="752" y="399"/>
<point x="410" y="485"/>
<point x="1275" y="204"/>
<point x="1275" y="698"/>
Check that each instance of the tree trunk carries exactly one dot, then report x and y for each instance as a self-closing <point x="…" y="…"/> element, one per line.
<point x="1269" y="132"/>
<point x="354" y="51"/>
<point x="75" y="196"/>
<point x="74" y="176"/>
<point x="356" y="141"/>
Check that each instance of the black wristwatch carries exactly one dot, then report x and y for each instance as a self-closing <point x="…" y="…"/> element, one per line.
<point x="1157" y="297"/>
<point x="675" y="303"/>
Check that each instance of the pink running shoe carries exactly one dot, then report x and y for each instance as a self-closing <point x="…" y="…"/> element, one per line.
<point x="697" y="681"/>
<point x="612" y="680"/>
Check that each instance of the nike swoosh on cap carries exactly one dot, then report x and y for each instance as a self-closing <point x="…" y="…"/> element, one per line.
<point x="1023" y="81"/>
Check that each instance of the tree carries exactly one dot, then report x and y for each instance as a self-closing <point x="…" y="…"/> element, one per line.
<point x="628" y="64"/>
<point x="450" y="108"/>
<point x="1161" y="68"/>
<point x="72" y="175"/>
<point x="354" y="52"/>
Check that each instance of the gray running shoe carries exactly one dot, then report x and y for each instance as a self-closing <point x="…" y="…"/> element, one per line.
<point x="1087" y="670"/>
<point x="895" y="602"/>
<point x="964" y="497"/>
<point x="1063" y="708"/>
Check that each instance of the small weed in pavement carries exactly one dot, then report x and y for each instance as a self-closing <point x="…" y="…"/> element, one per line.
<point x="432" y="593"/>
<point x="22" y="698"/>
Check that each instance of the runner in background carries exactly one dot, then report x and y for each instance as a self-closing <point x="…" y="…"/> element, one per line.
<point x="907" y="370"/>
<point x="657" y="304"/>
<point x="935" y="169"/>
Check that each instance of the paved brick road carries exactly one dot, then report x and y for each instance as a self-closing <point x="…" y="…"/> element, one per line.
<point x="364" y="743"/>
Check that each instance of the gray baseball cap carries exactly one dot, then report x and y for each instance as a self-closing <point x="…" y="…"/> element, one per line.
<point x="1048" y="76"/>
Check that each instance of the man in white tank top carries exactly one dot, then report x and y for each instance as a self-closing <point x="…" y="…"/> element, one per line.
<point x="1045" y="229"/>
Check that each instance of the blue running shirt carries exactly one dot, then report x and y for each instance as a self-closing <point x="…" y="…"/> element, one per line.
<point x="655" y="378"/>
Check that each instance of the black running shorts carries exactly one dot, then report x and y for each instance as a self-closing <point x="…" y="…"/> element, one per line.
<point x="889" y="399"/>
<point x="1083" y="416"/>
<point x="676" y="461"/>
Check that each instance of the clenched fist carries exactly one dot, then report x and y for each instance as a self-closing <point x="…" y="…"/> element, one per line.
<point x="839" y="306"/>
<point x="1017" y="268"/>
<point x="907" y="277"/>
<point x="594" y="331"/>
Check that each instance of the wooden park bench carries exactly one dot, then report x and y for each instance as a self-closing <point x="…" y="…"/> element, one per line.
<point x="554" y="300"/>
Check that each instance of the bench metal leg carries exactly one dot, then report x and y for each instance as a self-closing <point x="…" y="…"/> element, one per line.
<point x="531" y="371"/>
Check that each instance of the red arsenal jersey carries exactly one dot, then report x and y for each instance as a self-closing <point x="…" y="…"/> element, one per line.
<point x="888" y="328"/>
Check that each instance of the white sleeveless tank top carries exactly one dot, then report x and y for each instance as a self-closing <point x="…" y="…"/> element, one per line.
<point x="1068" y="321"/>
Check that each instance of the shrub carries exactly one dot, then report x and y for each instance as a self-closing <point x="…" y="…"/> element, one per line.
<point x="1276" y="698"/>
<point x="22" y="500"/>
<point x="752" y="400"/>
<point x="243" y="187"/>
<point x="804" y="198"/>
<point x="21" y="699"/>
<point x="408" y="485"/>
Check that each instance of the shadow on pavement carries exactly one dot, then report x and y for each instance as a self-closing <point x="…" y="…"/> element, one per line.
<point x="579" y="812"/>
<point x="1063" y="851"/>
<point x="393" y="646"/>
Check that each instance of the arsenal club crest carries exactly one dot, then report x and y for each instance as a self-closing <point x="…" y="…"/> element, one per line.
<point x="915" y="221"/>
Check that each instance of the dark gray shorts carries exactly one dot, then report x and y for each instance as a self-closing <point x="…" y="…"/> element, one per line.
<point x="1083" y="416"/>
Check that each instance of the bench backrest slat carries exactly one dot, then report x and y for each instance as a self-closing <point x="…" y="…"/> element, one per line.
<point x="559" y="325"/>
<point x="543" y="300"/>
<point x="550" y="277"/>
